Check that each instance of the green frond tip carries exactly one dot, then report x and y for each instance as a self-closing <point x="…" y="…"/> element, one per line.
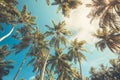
<point x="48" y="2"/>
<point x="53" y="22"/>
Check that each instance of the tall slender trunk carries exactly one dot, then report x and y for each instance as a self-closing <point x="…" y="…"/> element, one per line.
<point x="7" y="35"/>
<point x="80" y="69"/>
<point x="42" y="73"/>
<point x="21" y="66"/>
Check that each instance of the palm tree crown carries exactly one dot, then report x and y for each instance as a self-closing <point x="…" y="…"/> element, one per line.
<point x="109" y="39"/>
<point x="58" y="33"/>
<point x="66" y="5"/>
<point x="107" y="11"/>
<point x="5" y="65"/>
<point x="59" y="64"/>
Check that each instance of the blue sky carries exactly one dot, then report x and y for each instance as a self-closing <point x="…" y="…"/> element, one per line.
<point x="78" y="23"/>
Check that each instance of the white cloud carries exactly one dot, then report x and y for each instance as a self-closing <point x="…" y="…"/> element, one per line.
<point x="80" y="23"/>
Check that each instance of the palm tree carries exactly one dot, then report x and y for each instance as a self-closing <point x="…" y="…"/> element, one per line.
<point x="106" y="73"/>
<point x="59" y="64"/>
<point x="109" y="39"/>
<point x="18" y="48"/>
<point x="107" y="11"/>
<point x="66" y="5"/>
<point x="94" y="74"/>
<point x="58" y="33"/>
<point x="33" y="40"/>
<point x="25" y="34"/>
<point x="40" y="53"/>
<point x="115" y="69"/>
<point x="39" y="60"/>
<point x="75" y="52"/>
<point x="5" y="65"/>
<point x="9" y="15"/>
<point x="26" y="17"/>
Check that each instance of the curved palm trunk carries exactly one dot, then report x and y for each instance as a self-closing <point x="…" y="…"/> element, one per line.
<point x="20" y="68"/>
<point x="1" y="39"/>
<point x="80" y="69"/>
<point x="42" y="73"/>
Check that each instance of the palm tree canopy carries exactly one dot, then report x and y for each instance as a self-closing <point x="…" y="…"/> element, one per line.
<point x="9" y="14"/>
<point x="66" y="5"/>
<point x="107" y="11"/>
<point x="59" y="63"/>
<point x="109" y="39"/>
<point x="106" y="73"/>
<point x="5" y="65"/>
<point x="58" y="33"/>
<point x="75" y="50"/>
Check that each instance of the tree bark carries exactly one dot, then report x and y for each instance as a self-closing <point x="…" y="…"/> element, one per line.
<point x="7" y="35"/>
<point x="20" y="68"/>
<point x="80" y="69"/>
<point x="42" y="73"/>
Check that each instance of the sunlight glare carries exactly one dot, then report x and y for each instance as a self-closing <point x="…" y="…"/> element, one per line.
<point x="79" y="22"/>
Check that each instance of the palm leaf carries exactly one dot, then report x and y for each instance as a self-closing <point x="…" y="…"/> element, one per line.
<point x="1" y="28"/>
<point x="101" y="45"/>
<point x="48" y="33"/>
<point x="63" y="40"/>
<point x="59" y="8"/>
<point x="31" y="61"/>
<point x="65" y="32"/>
<point x="49" y="27"/>
<point x="54" y="24"/>
<point x="48" y="2"/>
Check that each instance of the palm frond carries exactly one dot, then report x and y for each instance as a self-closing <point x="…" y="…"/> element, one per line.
<point x="48" y="2"/>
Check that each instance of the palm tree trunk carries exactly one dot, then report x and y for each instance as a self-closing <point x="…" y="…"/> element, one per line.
<point x="20" y="68"/>
<point x="80" y="69"/>
<point x="42" y="73"/>
<point x="1" y="39"/>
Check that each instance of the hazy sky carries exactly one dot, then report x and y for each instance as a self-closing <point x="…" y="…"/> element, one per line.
<point x="78" y="23"/>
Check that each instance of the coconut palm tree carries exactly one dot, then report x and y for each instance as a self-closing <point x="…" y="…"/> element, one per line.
<point x="107" y="11"/>
<point x="66" y="5"/>
<point x="40" y="53"/>
<point x="40" y="61"/>
<point x="60" y="65"/>
<point x="26" y="17"/>
<point x="75" y="52"/>
<point x="5" y="65"/>
<point x="58" y="33"/>
<point x="18" y="48"/>
<point x="9" y="15"/>
<point x="34" y="40"/>
<point x="106" y="73"/>
<point x="109" y="39"/>
<point x="115" y="69"/>
<point x="94" y="74"/>
<point x="25" y="34"/>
